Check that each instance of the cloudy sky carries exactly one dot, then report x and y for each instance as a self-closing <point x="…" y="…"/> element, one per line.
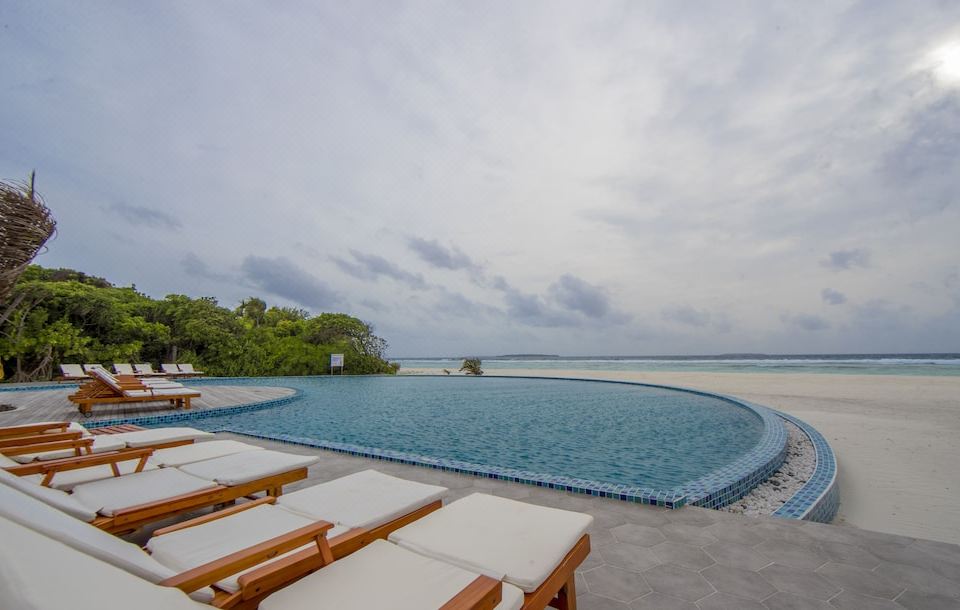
<point x="561" y="177"/>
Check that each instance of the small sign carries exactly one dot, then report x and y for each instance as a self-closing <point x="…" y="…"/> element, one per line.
<point x="336" y="360"/>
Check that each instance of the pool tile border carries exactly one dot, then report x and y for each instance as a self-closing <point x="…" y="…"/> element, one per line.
<point x="819" y="499"/>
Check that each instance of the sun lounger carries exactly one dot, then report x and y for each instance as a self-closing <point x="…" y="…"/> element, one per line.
<point x="72" y="372"/>
<point x="146" y="369"/>
<point x="42" y="449"/>
<point x="172" y="370"/>
<point x="534" y="548"/>
<point x="109" y="574"/>
<point x="123" y="368"/>
<point x="124" y="503"/>
<point x="363" y="507"/>
<point x="187" y="369"/>
<point x="88" y="368"/>
<point x="104" y="388"/>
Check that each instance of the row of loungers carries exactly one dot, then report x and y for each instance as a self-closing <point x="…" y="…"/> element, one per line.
<point x="77" y="372"/>
<point x="381" y="541"/>
<point x="104" y="388"/>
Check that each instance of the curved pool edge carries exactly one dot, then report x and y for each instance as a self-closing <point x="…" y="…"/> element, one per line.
<point x="819" y="498"/>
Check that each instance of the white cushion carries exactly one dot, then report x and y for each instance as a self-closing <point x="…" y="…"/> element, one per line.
<point x="363" y="499"/>
<point x="247" y="466"/>
<point x="379" y="575"/>
<point x="497" y="536"/>
<point x="160" y="393"/>
<point x="196" y="452"/>
<point x="161" y="383"/>
<point x="194" y="546"/>
<point x="69" y="479"/>
<point x="122" y="368"/>
<point x="110" y="495"/>
<point x="188" y="368"/>
<point x="144" y="368"/>
<point x="39" y="573"/>
<point x="156" y="436"/>
<point x="72" y="370"/>
<point x="60" y="500"/>
<point x="170" y="368"/>
<point x="103" y="375"/>
<point x="71" y="427"/>
<point x="101" y="443"/>
<point x="6" y="462"/>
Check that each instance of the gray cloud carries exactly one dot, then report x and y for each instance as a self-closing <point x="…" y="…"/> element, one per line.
<point x="847" y="259"/>
<point x="431" y="252"/>
<point x="833" y="297"/>
<point x="685" y="314"/>
<point x="143" y="216"/>
<point x="285" y="279"/>
<point x="197" y="267"/>
<point x="806" y="322"/>
<point x="372" y="267"/>
<point x="576" y="295"/>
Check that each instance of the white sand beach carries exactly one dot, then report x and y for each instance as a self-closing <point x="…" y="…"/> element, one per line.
<point x="896" y="438"/>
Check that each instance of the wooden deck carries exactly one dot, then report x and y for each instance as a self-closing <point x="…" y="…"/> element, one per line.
<point x="52" y="405"/>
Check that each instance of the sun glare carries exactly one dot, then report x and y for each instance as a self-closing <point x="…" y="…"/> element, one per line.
<point x="946" y="63"/>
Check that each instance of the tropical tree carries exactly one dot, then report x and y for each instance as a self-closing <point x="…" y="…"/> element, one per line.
<point x="471" y="366"/>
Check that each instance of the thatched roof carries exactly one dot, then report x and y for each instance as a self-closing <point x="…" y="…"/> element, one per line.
<point x="25" y="225"/>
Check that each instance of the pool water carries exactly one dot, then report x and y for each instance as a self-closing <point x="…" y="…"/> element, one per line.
<point x="605" y="432"/>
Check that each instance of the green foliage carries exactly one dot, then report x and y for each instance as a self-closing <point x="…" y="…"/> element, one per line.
<point x="471" y="366"/>
<point x="60" y="315"/>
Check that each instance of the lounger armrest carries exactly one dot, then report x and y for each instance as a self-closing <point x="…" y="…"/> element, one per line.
<point x="85" y="461"/>
<point x="220" y="514"/>
<point x="39" y="438"/>
<point x="209" y="573"/>
<point x="33" y="429"/>
<point x="484" y="593"/>
<point x="79" y="444"/>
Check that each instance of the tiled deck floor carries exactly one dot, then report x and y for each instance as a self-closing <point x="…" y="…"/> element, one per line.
<point x="646" y="557"/>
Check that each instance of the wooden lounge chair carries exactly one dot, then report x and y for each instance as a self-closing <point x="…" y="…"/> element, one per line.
<point x="534" y="548"/>
<point x="189" y="371"/>
<point x="72" y="372"/>
<point x="124" y="503"/>
<point x="104" y="388"/>
<point x="110" y="574"/>
<point x="145" y="369"/>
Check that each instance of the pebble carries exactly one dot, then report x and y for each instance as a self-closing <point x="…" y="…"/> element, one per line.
<point x="770" y="495"/>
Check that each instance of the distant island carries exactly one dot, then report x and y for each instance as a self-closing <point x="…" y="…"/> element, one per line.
<point x="528" y="356"/>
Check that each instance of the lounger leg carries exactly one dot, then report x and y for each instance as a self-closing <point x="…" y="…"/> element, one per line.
<point x="186" y="402"/>
<point x="567" y="596"/>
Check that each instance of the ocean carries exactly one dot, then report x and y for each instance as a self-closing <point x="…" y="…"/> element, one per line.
<point x="834" y="364"/>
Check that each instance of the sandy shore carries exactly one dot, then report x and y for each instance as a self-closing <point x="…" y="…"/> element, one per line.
<point x="897" y="438"/>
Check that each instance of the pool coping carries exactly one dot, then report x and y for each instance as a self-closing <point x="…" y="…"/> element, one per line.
<point x="817" y="500"/>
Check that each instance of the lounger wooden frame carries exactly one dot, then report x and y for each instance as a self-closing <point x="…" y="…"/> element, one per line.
<point x="97" y="392"/>
<point x="132" y="518"/>
<point x="483" y="593"/>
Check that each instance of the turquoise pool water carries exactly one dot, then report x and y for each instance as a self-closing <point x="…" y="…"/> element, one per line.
<point x="605" y="432"/>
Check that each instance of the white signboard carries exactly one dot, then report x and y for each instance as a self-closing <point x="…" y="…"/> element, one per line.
<point x="336" y="360"/>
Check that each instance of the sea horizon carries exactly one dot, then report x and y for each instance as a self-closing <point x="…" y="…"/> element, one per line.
<point x="936" y="364"/>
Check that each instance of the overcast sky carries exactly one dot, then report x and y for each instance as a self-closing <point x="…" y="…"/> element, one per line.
<point x="478" y="178"/>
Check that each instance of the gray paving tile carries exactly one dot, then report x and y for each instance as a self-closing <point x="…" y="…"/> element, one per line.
<point x="606" y="519"/>
<point x="833" y="533"/>
<point x="647" y="516"/>
<point x="742" y="583"/>
<point x="792" y="555"/>
<point x="628" y="556"/>
<point x="693" y="515"/>
<point x="688" y="534"/>
<point x="941" y="550"/>
<point x="914" y="556"/>
<point x="841" y="552"/>
<point x="677" y="582"/>
<point x="799" y="582"/>
<point x="848" y="600"/>
<point x="601" y="538"/>
<point x="913" y="600"/>
<point x="725" y="601"/>
<point x="683" y="555"/>
<point x="616" y="583"/>
<point x="789" y="601"/>
<point x="593" y="560"/>
<point x="736" y="555"/>
<point x="640" y="535"/>
<point x="858" y="580"/>
<point x="921" y="580"/>
<point x="730" y="532"/>
<point x="659" y="601"/>
<point x="589" y="601"/>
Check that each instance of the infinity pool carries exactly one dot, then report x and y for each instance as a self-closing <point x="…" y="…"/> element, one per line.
<point x="605" y="432"/>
